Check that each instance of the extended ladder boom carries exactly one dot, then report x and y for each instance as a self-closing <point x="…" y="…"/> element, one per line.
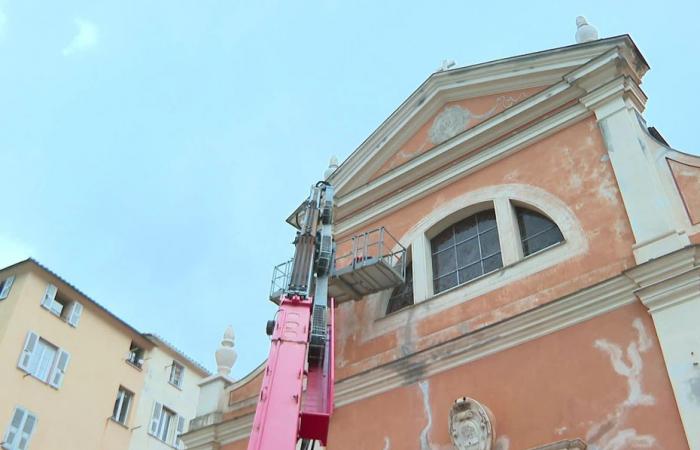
<point x="301" y="351"/>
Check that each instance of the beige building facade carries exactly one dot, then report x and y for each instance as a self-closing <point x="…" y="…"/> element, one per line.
<point x="78" y="377"/>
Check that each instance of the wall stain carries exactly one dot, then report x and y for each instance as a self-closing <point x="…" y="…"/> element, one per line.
<point x="610" y="433"/>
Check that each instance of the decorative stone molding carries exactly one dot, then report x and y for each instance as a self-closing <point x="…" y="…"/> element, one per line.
<point x="471" y="425"/>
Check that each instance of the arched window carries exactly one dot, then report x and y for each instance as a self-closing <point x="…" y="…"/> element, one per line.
<point x="536" y="231"/>
<point x="465" y="250"/>
<point x="402" y="295"/>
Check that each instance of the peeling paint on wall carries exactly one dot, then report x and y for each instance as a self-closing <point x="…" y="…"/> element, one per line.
<point x="387" y="444"/>
<point x="610" y="433"/>
<point x="502" y="443"/>
<point x="425" y="391"/>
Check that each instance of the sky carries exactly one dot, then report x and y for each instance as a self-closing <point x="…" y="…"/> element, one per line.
<point x="150" y="151"/>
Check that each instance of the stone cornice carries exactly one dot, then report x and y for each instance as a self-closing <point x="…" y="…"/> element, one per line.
<point x="536" y="69"/>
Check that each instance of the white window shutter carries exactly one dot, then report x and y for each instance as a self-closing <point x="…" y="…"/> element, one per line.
<point x="27" y="430"/>
<point x="180" y="429"/>
<point x="29" y="345"/>
<point x="13" y="432"/>
<point x="6" y="286"/>
<point x="59" y="370"/>
<point x="155" y="419"/>
<point x="49" y="296"/>
<point x="75" y="312"/>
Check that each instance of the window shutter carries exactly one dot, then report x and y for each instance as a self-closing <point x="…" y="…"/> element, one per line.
<point x="6" y="286"/>
<point x="26" y="356"/>
<point x="56" y="377"/>
<point x="180" y="429"/>
<point x="27" y="431"/>
<point x="75" y="312"/>
<point x="49" y="296"/>
<point x="13" y="432"/>
<point x="155" y="419"/>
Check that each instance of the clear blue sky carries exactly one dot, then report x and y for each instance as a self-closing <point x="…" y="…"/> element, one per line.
<point x="150" y="151"/>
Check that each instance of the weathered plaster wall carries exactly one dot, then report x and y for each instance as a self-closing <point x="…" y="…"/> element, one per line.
<point x="603" y="380"/>
<point x="573" y="166"/>
<point x="454" y="117"/>
<point x="687" y="179"/>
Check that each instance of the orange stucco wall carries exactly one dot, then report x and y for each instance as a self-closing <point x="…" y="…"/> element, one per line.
<point x="564" y="385"/>
<point x="572" y="165"/>
<point x="603" y="380"/>
<point x="481" y="109"/>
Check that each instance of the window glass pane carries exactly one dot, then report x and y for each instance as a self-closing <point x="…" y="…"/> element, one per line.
<point x="536" y="231"/>
<point x="444" y="263"/>
<point x="402" y="295"/>
<point x="487" y="220"/>
<point x="17" y="418"/>
<point x="492" y="263"/>
<point x="542" y="241"/>
<point x="46" y="362"/>
<point x="531" y="223"/>
<point x="124" y="407"/>
<point x="29" y="424"/>
<point x="468" y="252"/>
<point x="464" y="247"/>
<point x="117" y="405"/>
<point x="489" y="243"/>
<point x="443" y="240"/>
<point x="465" y="229"/>
<point x="470" y="272"/>
<point x="445" y="282"/>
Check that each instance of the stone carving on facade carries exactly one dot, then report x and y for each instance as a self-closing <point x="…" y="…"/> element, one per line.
<point x="449" y="123"/>
<point x="471" y="425"/>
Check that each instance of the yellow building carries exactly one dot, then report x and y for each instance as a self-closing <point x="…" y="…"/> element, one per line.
<point x="78" y="377"/>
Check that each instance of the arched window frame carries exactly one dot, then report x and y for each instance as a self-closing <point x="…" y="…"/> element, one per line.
<point x="502" y="198"/>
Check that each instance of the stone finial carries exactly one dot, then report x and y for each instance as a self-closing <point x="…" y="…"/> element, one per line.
<point x="225" y="354"/>
<point x="585" y="32"/>
<point x="332" y="167"/>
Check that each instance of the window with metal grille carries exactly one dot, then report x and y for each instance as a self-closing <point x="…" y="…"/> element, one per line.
<point x="402" y="295"/>
<point x="465" y="250"/>
<point x="536" y="231"/>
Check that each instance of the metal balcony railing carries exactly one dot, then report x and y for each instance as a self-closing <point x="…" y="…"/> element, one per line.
<point x="365" y="263"/>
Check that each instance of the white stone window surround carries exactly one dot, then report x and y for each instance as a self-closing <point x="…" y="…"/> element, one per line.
<point x="503" y="198"/>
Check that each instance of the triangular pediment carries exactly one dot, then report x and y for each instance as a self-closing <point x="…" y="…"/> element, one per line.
<point x="483" y="103"/>
<point x="450" y="119"/>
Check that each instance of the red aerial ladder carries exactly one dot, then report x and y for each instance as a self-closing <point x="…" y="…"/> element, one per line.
<point x="296" y="397"/>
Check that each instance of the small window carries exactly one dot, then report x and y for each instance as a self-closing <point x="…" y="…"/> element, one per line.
<point x="465" y="250"/>
<point x="43" y="360"/>
<point x="19" y="433"/>
<point x="177" y="372"/>
<point x="61" y="306"/>
<point x="122" y="405"/>
<point x="166" y="425"/>
<point x="402" y="296"/>
<point x="536" y="231"/>
<point x="5" y="286"/>
<point x="135" y="356"/>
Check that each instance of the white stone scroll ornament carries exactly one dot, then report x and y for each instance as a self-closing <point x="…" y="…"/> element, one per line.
<point x="471" y="425"/>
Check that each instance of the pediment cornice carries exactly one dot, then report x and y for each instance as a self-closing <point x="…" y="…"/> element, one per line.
<point x="578" y="78"/>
